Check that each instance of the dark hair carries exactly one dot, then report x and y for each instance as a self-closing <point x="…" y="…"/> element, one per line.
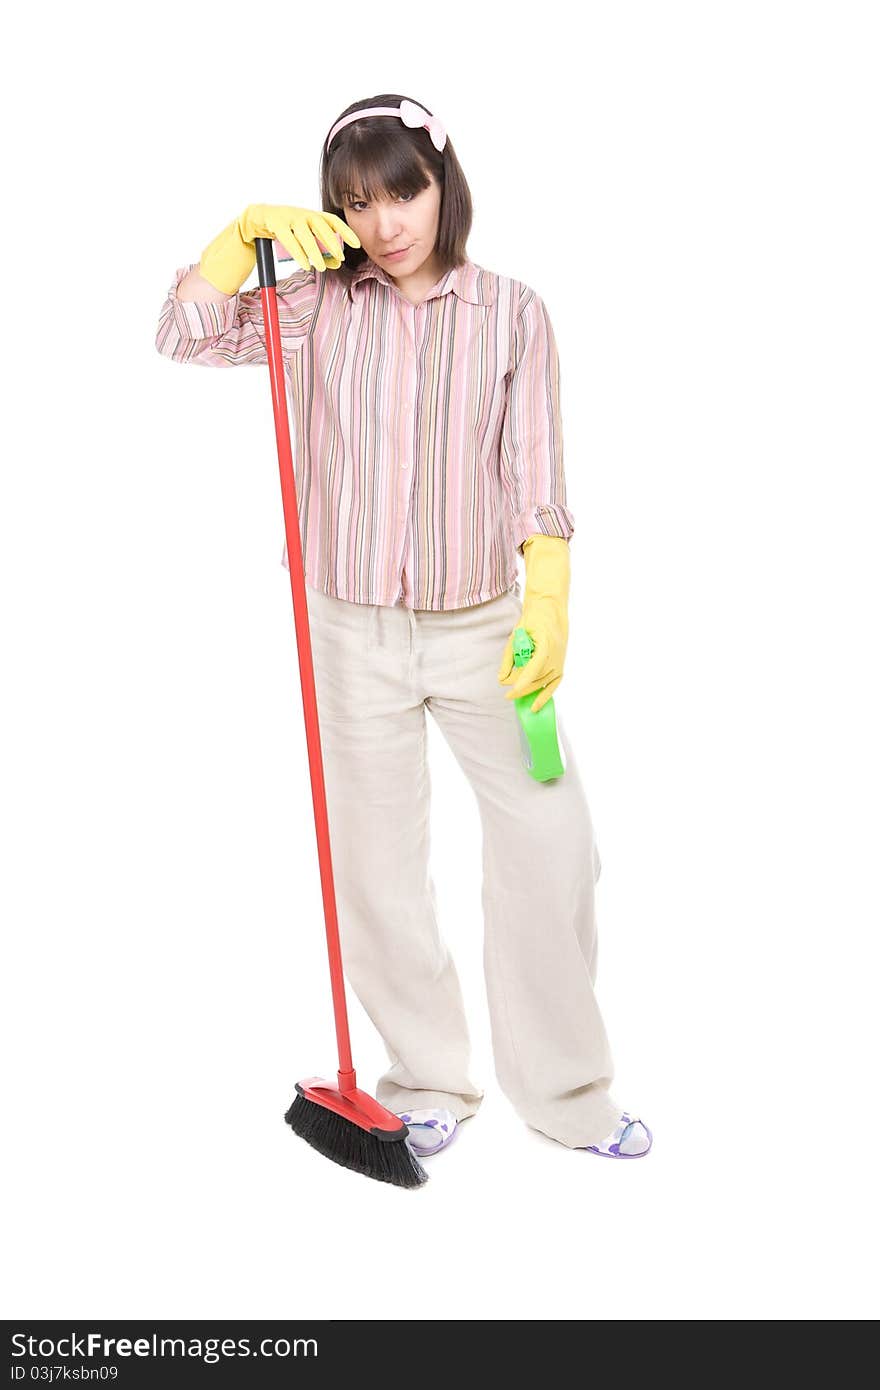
<point x="381" y="154"/>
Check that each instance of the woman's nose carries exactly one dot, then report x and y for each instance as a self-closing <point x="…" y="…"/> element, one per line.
<point x="388" y="228"/>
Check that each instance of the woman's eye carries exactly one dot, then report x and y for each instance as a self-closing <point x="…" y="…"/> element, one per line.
<point x="356" y="207"/>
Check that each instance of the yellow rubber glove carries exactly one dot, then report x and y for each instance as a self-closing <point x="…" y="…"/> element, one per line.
<point x="545" y="619"/>
<point x="229" y="259"/>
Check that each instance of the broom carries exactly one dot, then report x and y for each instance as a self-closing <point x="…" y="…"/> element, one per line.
<point x="342" y="1122"/>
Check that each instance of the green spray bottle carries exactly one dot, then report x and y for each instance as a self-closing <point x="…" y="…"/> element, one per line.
<point x="543" y="754"/>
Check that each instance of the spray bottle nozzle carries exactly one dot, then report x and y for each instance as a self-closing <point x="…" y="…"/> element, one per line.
<point x="523" y="646"/>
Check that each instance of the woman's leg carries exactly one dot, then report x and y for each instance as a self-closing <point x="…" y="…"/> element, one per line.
<point x="374" y="741"/>
<point x="540" y="865"/>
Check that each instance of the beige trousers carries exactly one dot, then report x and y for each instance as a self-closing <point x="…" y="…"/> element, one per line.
<point x="377" y="670"/>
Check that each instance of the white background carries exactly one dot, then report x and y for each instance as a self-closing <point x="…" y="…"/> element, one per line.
<point x="692" y="189"/>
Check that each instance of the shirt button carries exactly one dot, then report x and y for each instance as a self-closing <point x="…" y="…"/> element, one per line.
<point x="405" y="464"/>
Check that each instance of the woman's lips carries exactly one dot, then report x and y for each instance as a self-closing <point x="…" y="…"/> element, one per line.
<point x="396" y="255"/>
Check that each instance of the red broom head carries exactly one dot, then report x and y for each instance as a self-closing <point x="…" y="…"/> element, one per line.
<point x="377" y="1153"/>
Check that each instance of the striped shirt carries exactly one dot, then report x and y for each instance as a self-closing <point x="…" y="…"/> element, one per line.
<point x="427" y="438"/>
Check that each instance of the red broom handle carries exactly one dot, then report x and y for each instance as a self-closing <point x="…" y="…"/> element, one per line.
<point x="266" y="267"/>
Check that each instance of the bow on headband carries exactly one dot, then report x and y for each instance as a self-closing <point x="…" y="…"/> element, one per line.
<point x="416" y="118"/>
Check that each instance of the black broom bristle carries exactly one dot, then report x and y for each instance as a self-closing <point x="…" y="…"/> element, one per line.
<point x="388" y="1160"/>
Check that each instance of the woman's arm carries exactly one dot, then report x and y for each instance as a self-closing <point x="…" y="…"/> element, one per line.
<point x="220" y="330"/>
<point x="531" y="435"/>
<point x="193" y="288"/>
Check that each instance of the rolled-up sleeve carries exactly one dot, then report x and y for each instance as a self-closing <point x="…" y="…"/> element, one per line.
<point x="531" y="435"/>
<point x="233" y="331"/>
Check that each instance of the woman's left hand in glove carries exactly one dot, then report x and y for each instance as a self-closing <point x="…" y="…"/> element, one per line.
<point x="545" y="619"/>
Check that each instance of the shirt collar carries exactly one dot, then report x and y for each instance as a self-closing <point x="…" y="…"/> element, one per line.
<point x="469" y="281"/>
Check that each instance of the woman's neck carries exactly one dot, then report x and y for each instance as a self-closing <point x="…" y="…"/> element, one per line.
<point x="415" y="286"/>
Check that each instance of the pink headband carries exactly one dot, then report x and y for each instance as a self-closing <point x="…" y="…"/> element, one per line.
<point x="409" y="112"/>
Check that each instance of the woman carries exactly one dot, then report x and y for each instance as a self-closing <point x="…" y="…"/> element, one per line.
<point x="424" y="395"/>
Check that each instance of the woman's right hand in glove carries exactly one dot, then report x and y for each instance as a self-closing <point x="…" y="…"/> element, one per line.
<point x="311" y="238"/>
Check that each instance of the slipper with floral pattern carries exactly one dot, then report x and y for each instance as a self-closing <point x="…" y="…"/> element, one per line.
<point x="429" y="1129"/>
<point x="630" y="1138"/>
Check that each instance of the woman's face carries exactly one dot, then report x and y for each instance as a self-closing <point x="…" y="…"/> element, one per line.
<point x="409" y="222"/>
